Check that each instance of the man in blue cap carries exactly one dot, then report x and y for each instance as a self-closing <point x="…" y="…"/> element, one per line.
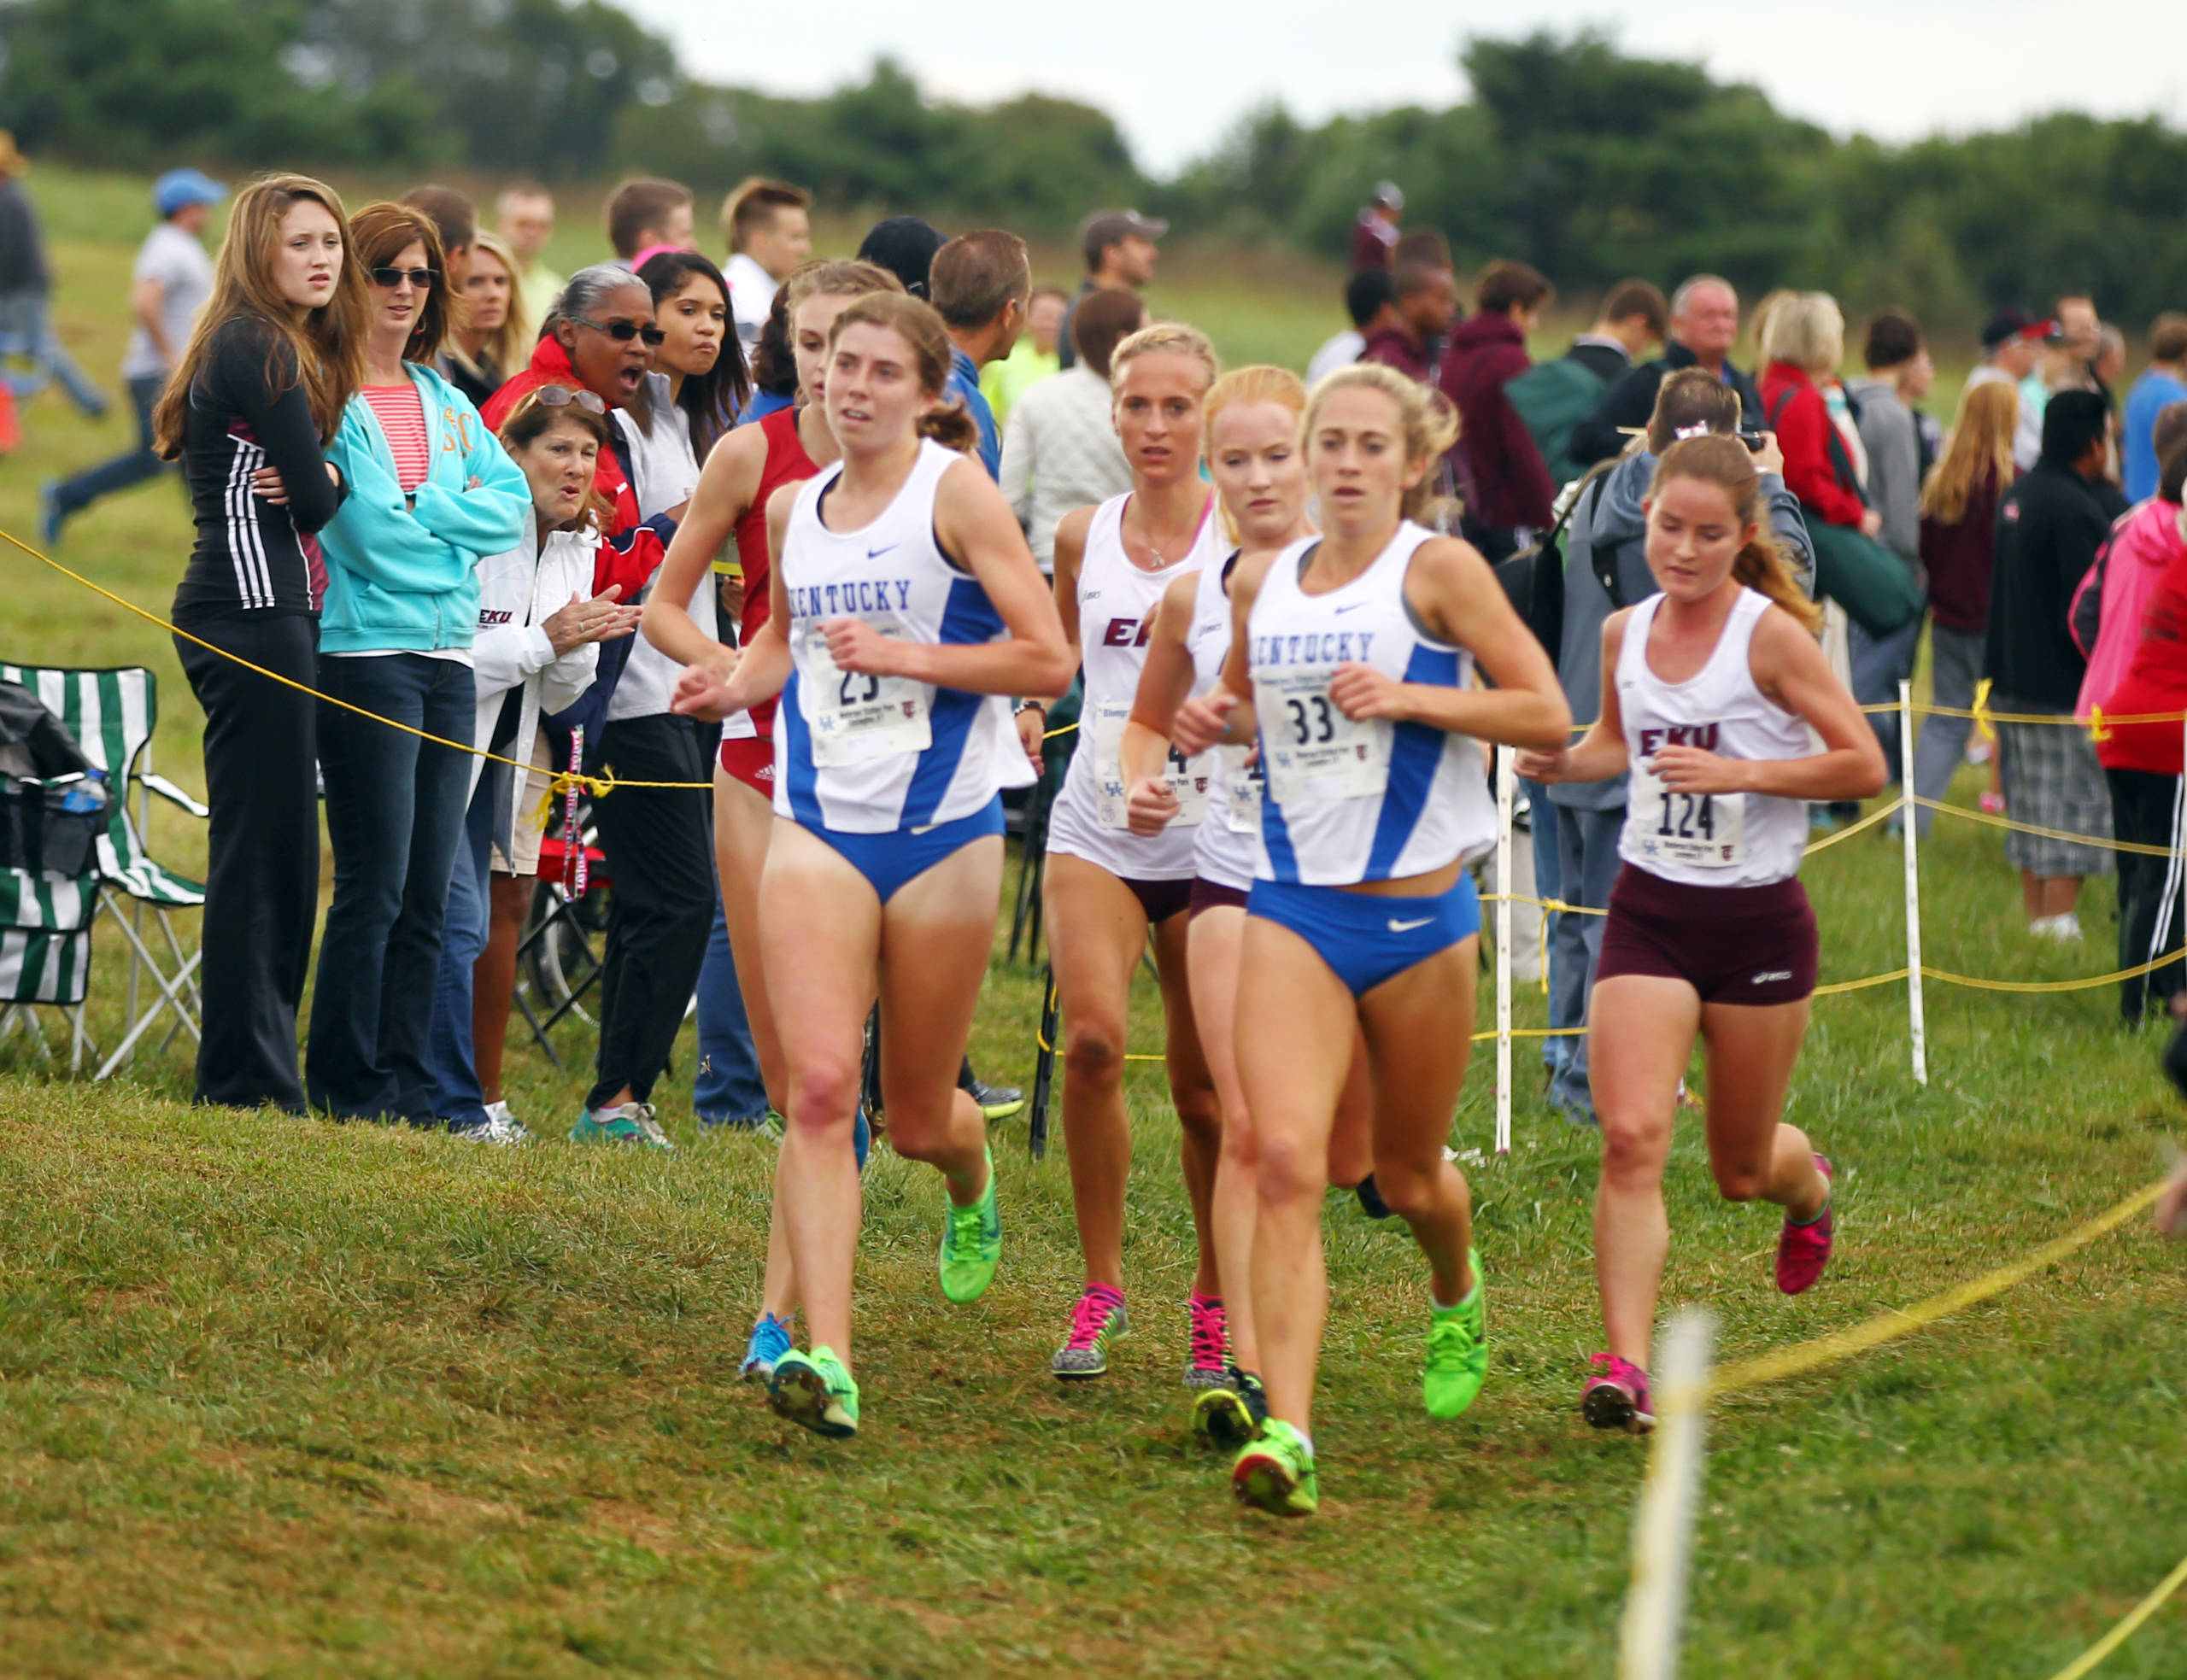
<point x="173" y="279"/>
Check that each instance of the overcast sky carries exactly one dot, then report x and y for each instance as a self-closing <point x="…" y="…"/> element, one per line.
<point x="1176" y="74"/>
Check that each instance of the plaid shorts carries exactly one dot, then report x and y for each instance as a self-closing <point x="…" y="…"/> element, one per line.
<point x="2053" y="781"/>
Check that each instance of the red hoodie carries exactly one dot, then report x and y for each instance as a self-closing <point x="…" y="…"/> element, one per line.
<point x="633" y="548"/>
<point x="2156" y="681"/>
<point x="1486" y="352"/>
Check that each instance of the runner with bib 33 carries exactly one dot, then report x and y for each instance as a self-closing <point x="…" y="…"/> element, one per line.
<point x="1353" y="652"/>
<point x="904" y="604"/>
<point x="1717" y="682"/>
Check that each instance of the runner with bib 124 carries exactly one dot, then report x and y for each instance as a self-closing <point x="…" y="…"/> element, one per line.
<point x="1716" y="683"/>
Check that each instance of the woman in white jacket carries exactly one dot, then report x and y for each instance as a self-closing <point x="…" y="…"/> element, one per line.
<point x="536" y="650"/>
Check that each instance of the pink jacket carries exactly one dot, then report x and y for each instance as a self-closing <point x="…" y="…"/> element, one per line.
<point x="2143" y="542"/>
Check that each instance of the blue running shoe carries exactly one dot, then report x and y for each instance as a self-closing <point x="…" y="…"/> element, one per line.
<point x="769" y="1342"/>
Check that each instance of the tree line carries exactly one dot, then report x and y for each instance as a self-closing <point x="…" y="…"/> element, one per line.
<point x="1572" y="155"/>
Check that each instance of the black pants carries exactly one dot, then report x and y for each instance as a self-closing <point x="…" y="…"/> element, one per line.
<point x="74" y="495"/>
<point x="2146" y="810"/>
<point x="261" y="888"/>
<point x="660" y="855"/>
<point x="395" y="810"/>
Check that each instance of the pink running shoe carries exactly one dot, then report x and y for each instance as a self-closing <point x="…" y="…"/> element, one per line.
<point x="1618" y="1398"/>
<point x="1803" y="1250"/>
<point x="1209" y="1367"/>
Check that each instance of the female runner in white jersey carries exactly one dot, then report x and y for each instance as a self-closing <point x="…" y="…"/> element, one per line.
<point x="1353" y="654"/>
<point x="746" y="467"/>
<point x="904" y="602"/>
<point x="1107" y="887"/>
<point x="1717" y="682"/>
<point x="1254" y="458"/>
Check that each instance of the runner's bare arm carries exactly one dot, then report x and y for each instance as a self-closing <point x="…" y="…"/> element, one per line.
<point x="1164" y="683"/>
<point x="1224" y="715"/>
<point x="726" y="486"/>
<point x="763" y="666"/>
<point x="1456" y="596"/>
<point x="1599" y="754"/>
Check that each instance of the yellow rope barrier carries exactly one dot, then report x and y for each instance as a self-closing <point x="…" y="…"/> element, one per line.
<point x="1890" y="1327"/>
<point x="2101" y="844"/>
<point x="598" y="786"/>
<point x="2127" y="1623"/>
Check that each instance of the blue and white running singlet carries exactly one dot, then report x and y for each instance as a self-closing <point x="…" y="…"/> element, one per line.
<point x="861" y="754"/>
<point x="1370" y="800"/>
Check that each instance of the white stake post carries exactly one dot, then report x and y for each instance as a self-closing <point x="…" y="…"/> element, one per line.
<point x="1916" y="1023"/>
<point x="1663" y="1524"/>
<point x="1507" y="782"/>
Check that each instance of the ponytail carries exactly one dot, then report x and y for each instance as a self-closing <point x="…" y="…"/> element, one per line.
<point x="1761" y="565"/>
<point x="951" y="425"/>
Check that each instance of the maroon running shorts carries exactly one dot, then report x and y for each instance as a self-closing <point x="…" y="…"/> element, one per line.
<point x="1733" y="945"/>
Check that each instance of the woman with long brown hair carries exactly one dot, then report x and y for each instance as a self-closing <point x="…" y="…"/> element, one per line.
<point x="276" y="356"/>
<point x="1711" y="689"/>
<point x="1959" y="544"/>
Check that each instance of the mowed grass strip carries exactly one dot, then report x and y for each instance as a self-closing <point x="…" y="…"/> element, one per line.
<point x="287" y="1398"/>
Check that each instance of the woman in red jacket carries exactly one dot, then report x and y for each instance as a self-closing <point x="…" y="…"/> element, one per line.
<point x="1505" y="485"/>
<point x="1823" y="460"/>
<point x="2142" y="762"/>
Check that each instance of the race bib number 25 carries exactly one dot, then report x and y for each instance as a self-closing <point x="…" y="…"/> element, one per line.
<point x="856" y="717"/>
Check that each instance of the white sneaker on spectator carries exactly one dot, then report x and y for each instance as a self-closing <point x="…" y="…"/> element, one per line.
<point x="503" y="1126"/>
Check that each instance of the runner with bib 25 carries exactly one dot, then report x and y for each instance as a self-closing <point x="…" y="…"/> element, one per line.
<point x="1354" y="651"/>
<point x="1717" y="682"/>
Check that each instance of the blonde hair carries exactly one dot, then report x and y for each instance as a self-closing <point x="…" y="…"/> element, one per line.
<point x="1761" y="565"/>
<point x="1426" y="421"/>
<point x="1807" y="330"/>
<point x="1259" y="382"/>
<point x="845" y="278"/>
<point x="505" y="347"/>
<point x="919" y="324"/>
<point x="322" y="349"/>
<point x="1171" y="338"/>
<point x="1980" y="451"/>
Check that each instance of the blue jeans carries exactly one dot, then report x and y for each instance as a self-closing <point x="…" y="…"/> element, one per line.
<point x="1587" y="843"/>
<point x="395" y="812"/>
<point x="1554" y="1052"/>
<point x="456" y="1095"/>
<point x="728" y="1088"/>
<point x="124" y="471"/>
<point x="27" y="331"/>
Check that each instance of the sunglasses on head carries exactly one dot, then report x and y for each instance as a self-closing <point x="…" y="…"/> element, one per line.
<point x="424" y="278"/>
<point x="561" y="397"/>
<point x="623" y="331"/>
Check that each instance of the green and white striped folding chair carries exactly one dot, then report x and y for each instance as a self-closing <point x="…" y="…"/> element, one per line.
<point x="111" y="713"/>
<point x="45" y="954"/>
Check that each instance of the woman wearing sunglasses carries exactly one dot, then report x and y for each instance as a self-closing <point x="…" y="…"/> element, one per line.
<point x="431" y="493"/>
<point x="599" y="341"/>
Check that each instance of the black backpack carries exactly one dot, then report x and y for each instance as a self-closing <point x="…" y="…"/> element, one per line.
<point x="1533" y="578"/>
<point x="52" y="810"/>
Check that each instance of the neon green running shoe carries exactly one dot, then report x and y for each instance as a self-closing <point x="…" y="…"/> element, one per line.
<point x="1457" y="1350"/>
<point x="1276" y="1473"/>
<point x="632" y="1123"/>
<point x="814" y="1391"/>
<point x="971" y="1243"/>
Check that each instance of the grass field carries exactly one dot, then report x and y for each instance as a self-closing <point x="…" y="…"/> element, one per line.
<point x="279" y="1398"/>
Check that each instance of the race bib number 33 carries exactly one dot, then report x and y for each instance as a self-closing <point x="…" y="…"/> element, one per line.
<point x="1706" y="831"/>
<point x="855" y="717"/>
<point x="1314" y="751"/>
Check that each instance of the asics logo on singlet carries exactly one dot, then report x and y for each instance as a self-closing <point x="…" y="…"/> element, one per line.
<point x="1126" y="633"/>
<point x="1329" y="647"/>
<point x="1773" y="975"/>
<point x="1702" y="736"/>
<point x="831" y="600"/>
<point x="1398" y="927"/>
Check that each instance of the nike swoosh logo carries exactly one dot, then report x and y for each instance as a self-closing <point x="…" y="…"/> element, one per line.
<point x="876" y="553"/>
<point x="1396" y="926"/>
<point x="1354" y="607"/>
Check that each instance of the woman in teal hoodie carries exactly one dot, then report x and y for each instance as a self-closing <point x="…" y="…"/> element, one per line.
<point x="430" y="492"/>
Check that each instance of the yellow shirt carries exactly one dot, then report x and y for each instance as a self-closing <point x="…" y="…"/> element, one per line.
<point x="1002" y="382"/>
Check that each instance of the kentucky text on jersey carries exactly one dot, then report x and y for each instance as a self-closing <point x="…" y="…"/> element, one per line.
<point x="1702" y="736"/>
<point x="856" y="596"/>
<point x="1330" y="647"/>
